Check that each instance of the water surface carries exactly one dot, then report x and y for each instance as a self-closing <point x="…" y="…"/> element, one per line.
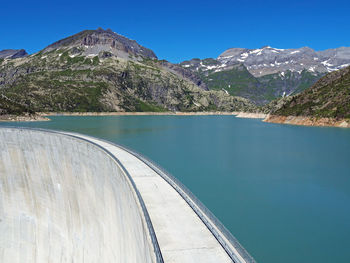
<point x="283" y="191"/>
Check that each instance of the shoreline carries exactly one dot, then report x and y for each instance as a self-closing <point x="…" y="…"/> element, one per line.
<point x="167" y="113"/>
<point x="26" y="118"/>
<point x="289" y="120"/>
<point x="44" y="116"/>
<point x="238" y="114"/>
<point x="308" y="121"/>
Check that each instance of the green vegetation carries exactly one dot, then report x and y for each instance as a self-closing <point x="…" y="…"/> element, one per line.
<point x="63" y="79"/>
<point x="148" y="107"/>
<point x="329" y="97"/>
<point x="238" y="81"/>
<point x="10" y="107"/>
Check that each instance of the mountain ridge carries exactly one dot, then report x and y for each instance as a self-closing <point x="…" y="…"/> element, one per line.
<point x="269" y="60"/>
<point x="100" y="70"/>
<point x="273" y="73"/>
<point x="94" y="41"/>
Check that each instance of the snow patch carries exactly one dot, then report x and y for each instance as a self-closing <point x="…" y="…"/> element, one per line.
<point x="343" y="66"/>
<point x="325" y="63"/>
<point x="225" y="91"/>
<point x="256" y="51"/>
<point x="312" y="69"/>
<point x="278" y="49"/>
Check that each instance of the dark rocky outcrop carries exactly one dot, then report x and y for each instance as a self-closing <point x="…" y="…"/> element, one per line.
<point x="13" y="53"/>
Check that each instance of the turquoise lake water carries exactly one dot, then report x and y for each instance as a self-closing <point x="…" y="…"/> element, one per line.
<point x="283" y="191"/>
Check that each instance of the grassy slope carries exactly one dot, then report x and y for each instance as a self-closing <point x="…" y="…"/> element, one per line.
<point x="238" y="81"/>
<point x="64" y="81"/>
<point x="329" y="97"/>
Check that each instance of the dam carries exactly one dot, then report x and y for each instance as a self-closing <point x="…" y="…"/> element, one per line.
<point x="67" y="197"/>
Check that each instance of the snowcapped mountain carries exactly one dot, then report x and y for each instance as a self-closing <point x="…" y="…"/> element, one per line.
<point x="268" y="60"/>
<point x="264" y="74"/>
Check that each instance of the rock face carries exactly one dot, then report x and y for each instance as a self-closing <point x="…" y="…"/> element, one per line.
<point x="328" y="98"/>
<point x="98" y="70"/>
<point x="267" y="73"/>
<point x="92" y="42"/>
<point x="12" y="53"/>
<point x="185" y="73"/>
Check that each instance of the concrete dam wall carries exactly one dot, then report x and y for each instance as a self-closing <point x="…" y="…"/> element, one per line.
<point x="69" y="197"/>
<point x="66" y="200"/>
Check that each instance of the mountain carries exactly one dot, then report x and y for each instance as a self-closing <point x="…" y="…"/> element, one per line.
<point x="268" y="60"/>
<point x="328" y="98"/>
<point x="12" y="53"/>
<point x="92" y="42"/>
<point x="99" y="70"/>
<point x="273" y="73"/>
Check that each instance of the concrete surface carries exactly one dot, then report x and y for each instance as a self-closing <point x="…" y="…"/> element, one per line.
<point x="65" y="200"/>
<point x="60" y="195"/>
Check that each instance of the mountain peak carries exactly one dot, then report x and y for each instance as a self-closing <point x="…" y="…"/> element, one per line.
<point x="13" y="53"/>
<point x="92" y="42"/>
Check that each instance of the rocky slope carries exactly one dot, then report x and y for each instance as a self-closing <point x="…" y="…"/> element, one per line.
<point x="99" y="70"/>
<point x="267" y="73"/>
<point x="328" y="98"/>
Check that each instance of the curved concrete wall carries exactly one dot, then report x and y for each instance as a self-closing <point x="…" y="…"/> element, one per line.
<point x="65" y="200"/>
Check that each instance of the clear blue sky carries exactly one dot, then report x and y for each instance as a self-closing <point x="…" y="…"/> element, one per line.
<point x="180" y="30"/>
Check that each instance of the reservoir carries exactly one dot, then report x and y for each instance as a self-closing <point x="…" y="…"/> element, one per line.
<point x="283" y="191"/>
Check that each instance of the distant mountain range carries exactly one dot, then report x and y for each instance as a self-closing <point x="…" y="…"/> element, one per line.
<point x="264" y="74"/>
<point x="268" y="60"/>
<point x="100" y="70"/>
